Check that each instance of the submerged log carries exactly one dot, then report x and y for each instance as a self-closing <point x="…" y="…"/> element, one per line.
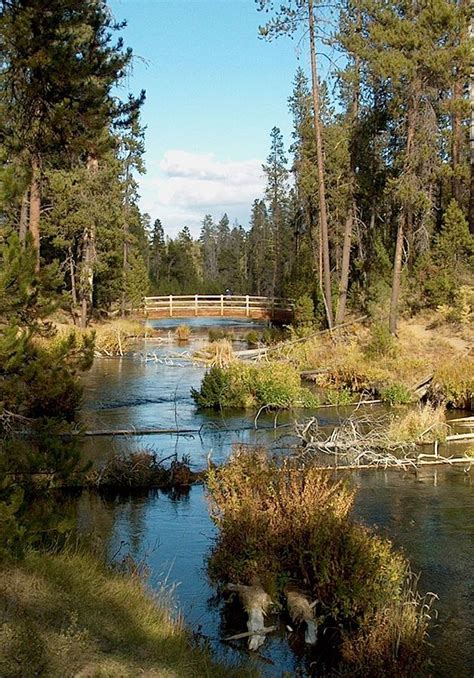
<point x="301" y="611"/>
<point x="256" y="603"/>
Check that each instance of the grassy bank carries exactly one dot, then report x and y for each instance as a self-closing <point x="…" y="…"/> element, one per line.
<point x="68" y="615"/>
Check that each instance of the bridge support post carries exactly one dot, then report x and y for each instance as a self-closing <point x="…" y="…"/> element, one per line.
<point x="195" y="304"/>
<point x="171" y="306"/>
<point x="222" y="304"/>
<point x="247" y="306"/>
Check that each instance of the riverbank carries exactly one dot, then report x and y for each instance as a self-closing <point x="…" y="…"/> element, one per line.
<point x="69" y="615"/>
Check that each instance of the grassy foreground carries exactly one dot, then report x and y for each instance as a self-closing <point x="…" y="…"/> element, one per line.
<point x="68" y="615"/>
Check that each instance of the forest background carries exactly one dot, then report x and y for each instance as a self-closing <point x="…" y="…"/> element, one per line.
<point x="370" y="206"/>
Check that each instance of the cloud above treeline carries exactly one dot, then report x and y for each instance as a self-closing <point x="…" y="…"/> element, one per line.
<point x="186" y="186"/>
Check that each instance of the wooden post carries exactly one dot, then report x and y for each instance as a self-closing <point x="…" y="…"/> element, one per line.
<point x="247" y="306"/>
<point x="195" y="304"/>
<point x="171" y="306"/>
<point x="222" y="304"/>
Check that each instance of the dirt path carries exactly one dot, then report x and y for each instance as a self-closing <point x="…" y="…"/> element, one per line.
<point x="420" y="331"/>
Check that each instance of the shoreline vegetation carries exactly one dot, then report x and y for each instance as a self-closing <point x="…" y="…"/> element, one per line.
<point x="67" y="614"/>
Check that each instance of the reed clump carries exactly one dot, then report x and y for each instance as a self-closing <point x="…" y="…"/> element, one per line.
<point x="116" y="338"/>
<point x="216" y="354"/>
<point x="183" y="333"/>
<point x="453" y="383"/>
<point x="282" y="523"/>
<point x="141" y="469"/>
<point x="250" y="386"/>
<point x="423" y="424"/>
<point x="392" y="644"/>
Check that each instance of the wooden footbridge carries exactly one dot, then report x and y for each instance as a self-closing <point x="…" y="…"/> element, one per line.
<point x="219" y="305"/>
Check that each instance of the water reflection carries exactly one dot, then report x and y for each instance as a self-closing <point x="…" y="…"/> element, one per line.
<point x="430" y="515"/>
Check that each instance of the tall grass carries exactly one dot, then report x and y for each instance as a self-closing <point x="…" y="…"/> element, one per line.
<point x="423" y="424"/>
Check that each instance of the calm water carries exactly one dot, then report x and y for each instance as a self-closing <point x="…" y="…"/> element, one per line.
<point x="430" y="515"/>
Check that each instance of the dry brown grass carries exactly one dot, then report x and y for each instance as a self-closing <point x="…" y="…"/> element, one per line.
<point x="391" y="645"/>
<point x="216" y="354"/>
<point x="424" y="424"/>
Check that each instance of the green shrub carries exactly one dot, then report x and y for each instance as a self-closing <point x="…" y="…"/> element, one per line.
<point x="303" y="316"/>
<point x="219" y="333"/>
<point x="343" y="396"/>
<point x="381" y="342"/>
<point x="280" y="523"/>
<point x="396" y="394"/>
<point x="242" y="385"/>
<point x="252" y="338"/>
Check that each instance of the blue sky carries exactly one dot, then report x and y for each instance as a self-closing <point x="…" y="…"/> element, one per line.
<point x="214" y="91"/>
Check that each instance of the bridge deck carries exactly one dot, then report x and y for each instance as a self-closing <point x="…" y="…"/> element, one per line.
<point x="224" y="306"/>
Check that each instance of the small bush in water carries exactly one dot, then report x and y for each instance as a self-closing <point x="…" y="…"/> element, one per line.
<point x="343" y="396"/>
<point x="219" y="333"/>
<point x="252" y="338"/>
<point x="276" y="385"/>
<point x="183" y="332"/>
<point x="280" y="523"/>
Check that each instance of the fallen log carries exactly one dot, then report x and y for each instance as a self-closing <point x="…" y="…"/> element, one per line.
<point x="136" y="432"/>
<point x="260" y="352"/>
<point x="459" y="437"/>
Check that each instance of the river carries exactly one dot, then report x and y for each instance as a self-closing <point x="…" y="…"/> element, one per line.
<point x="429" y="515"/>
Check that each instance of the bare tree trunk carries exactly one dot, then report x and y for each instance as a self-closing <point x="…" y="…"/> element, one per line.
<point x="406" y="214"/>
<point x="327" y="291"/>
<point x="397" y="273"/>
<point x="346" y="260"/>
<point x="352" y="213"/>
<point x="23" y="227"/>
<point x="35" y="209"/>
<point x="125" y="241"/>
<point x="72" y="275"/>
<point x="88" y="258"/>
<point x="471" y="129"/>
<point x="457" y="135"/>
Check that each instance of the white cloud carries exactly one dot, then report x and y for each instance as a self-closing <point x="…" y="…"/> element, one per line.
<point x="190" y="185"/>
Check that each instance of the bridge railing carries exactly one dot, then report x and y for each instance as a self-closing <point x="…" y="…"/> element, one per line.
<point x="215" y="304"/>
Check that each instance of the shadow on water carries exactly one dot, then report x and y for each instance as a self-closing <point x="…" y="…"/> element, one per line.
<point x="429" y="515"/>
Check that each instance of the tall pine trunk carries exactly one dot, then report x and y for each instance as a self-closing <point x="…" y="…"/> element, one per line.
<point x="471" y="131"/>
<point x="352" y="211"/>
<point x="24" y="212"/>
<point x="323" y="222"/>
<point x="345" y="265"/>
<point x="35" y="208"/>
<point x="88" y="258"/>
<point x="125" y="241"/>
<point x="405" y="220"/>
